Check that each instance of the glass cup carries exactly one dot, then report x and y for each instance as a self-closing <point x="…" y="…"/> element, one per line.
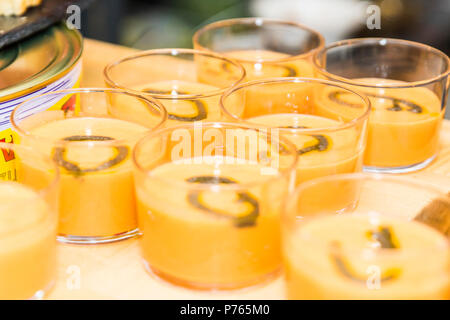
<point x="407" y="84"/>
<point x="266" y="48"/>
<point x="28" y="222"/>
<point x="209" y="200"/>
<point x="391" y="244"/>
<point x="328" y="141"/>
<point x="187" y="82"/>
<point x="92" y="148"/>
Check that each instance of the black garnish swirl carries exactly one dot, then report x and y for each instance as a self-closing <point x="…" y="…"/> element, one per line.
<point x="384" y="237"/>
<point x="199" y="106"/>
<point x="336" y="96"/>
<point x="343" y="267"/>
<point x="247" y="220"/>
<point x="59" y="154"/>
<point x="289" y="71"/>
<point x="321" y="145"/>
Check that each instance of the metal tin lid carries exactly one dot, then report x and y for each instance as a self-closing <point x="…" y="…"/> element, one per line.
<point x="34" y="62"/>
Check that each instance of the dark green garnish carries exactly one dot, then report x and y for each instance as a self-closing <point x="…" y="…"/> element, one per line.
<point x="343" y="267"/>
<point x="336" y="96"/>
<point x="198" y="105"/>
<point x="384" y="237"/>
<point x="225" y="67"/>
<point x="396" y="105"/>
<point x="321" y="145"/>
<point x="247" y="220"/>
<point x="73" y="168"/>
<point x="290" y="71"/>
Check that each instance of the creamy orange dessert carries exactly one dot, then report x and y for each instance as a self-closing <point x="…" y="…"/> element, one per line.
<point x="334" y="151"/>
<point x="366" y="256"/>
<point x="261" y="64"/>
<point x="403" y="126"/>
<point x="182" y="110"/>
<point x="97" y="196"/>
<point x="214" y="237"/>
<point x="27" y="242"/>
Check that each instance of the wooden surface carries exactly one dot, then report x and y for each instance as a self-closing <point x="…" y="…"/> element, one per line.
<point x="115" y="271"/>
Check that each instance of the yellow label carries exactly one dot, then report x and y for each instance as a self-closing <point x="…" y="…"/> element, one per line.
<point x="7" y="164"/>
<point x="68" y="103"/>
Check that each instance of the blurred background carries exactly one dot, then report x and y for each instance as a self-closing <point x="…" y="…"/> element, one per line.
<point x="148" y="24"/>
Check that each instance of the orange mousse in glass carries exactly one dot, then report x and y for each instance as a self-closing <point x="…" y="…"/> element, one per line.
<point x="319" y="154"/>
<point x="209" y="202"/>
<point x="407" y="84"/>
<point x="265" y="47"/>
<point x="326" y="143"/>
<point x="86" y="211"/>
<point x="183" y="110"/>
<point x="187" y="82"/>
<point x="388" y="244"/>
<point x="260" y="64"/>
<point x="27" y="243"/>
<point x="92" y="148"/>
<point x="404" y="123"/>
<point x="349" y="256"/>
<point x="211" y="238"/>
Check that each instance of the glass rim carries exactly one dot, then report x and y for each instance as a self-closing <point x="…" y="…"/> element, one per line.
<point x="172" y="52"/>
<point x="16" y="126"/>
<point x="258" y="82"/>
<point x="259" y="21"/>
<point x="379" y="41"/>
<point x="363" y="176"/>
<point x="54" y="181"/>
<point x="208" y="186"/>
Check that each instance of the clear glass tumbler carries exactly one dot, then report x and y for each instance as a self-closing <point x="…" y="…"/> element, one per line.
<point x="391" y="243"/>
<point x="407" y="84"/>
<point x="92" y="148"/>
<point x="209" y="200"/>
<point x="328" y="140"/>
<point x="265" y="47"/>
<point x="29" y="188"/>
<point x="187" y="82"/>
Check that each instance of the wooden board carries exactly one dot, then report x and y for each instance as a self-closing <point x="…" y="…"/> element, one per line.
<point x="115" y="271"/>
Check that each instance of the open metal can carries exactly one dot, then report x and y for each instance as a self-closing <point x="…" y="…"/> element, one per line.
<point x="46" y="62"/>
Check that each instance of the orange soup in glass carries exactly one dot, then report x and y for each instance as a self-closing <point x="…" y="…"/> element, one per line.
<point x="267" y="48"/>
<point x="385" y="246"/>
<point x="326" y="143"/>
<point x="187" y="82"/>
<point x="28" y="221"/>
<point x="209" y="201"/>
<point x="406" y="83"/>
<point x="92" y="149"/>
